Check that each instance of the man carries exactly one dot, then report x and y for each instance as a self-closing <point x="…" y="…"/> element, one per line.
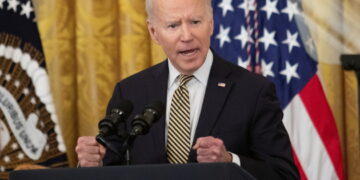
<point x="231" y="115"/>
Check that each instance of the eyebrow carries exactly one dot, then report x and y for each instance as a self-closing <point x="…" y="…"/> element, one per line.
<point x="178" y="20"/>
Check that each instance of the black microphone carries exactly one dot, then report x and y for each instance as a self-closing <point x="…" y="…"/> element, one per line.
<point x="110" y="124"/>
<point x="142" y="122"/>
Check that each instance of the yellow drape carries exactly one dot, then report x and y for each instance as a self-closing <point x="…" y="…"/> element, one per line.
<point x="351" y="9"/>
<point x="91" y="44"/>
<point x="352" y="125"/>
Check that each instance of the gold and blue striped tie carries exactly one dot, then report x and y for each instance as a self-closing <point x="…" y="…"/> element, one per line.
<point x="178" y="140"/>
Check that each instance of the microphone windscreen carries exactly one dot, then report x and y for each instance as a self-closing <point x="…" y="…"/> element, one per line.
<point x="158" y="106"/>
<point x="126" y="106"/>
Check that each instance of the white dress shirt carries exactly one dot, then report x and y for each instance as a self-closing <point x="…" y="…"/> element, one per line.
<point x="196" y="87"/>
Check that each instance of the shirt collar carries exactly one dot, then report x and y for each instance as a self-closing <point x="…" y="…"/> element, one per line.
<point x="201" y="74"/>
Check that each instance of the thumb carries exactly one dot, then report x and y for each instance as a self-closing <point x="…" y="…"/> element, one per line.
<point x="197" y="145"/>
<point x="102" y="150"/>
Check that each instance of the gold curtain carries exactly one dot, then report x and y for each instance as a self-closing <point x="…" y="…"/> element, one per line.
<point x="89" y="46"/>
<point x="92" y="44"/>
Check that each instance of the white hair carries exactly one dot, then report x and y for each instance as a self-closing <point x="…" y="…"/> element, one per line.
<point x="149" y="8"/>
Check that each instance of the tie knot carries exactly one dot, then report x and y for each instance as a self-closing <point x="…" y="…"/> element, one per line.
<point x="185" y="79"/>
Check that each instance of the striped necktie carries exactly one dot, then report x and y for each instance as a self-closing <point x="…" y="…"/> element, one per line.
<point x="178" y="140"/>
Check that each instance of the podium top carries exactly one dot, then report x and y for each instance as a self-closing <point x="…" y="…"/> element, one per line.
<point x="208" y="171"/>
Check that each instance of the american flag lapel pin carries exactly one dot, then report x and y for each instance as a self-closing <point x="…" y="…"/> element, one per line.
<point x="221" y="84"/>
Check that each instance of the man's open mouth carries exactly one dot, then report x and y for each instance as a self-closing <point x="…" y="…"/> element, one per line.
<point x="188" y="52"/>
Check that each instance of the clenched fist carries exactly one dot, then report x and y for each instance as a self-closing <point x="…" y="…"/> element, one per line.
<point x="210" y="149"/>
<point x="89" y="152"/>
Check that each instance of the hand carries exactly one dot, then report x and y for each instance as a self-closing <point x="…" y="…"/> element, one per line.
<point x="89" y="152"/>
<point x="210" y="149"/>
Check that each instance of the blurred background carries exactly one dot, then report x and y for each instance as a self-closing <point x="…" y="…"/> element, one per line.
<point x="90" y="45"/>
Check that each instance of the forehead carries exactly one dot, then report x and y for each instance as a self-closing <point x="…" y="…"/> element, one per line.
<point x="169" y="9"/>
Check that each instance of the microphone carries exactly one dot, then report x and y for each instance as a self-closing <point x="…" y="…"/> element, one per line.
<point x="111" y="123"/>
<point x="142" y="122"/>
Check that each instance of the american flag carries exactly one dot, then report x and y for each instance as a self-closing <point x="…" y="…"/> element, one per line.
<point x="270" y="37"/>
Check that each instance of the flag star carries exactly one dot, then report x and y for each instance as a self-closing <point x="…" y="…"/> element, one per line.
<point x="20" y="156"/>
<point x="13" y="4"/>
<point x="268" y="38"/>
<point x="247" y="5"/>
<point x="244" y="64"/>
<point x="2" y="3"/>
<point x="290" y="72"/>
<point x="291" y="9"/>
<point x="266" y="68"/>
<point x="226" y="6"/>
<point x="26" y="9"/>
<point x="244" y="37"/>
<point x="6" y="159"/>
<point x="223" y="35"/>
<point x="291" y="40"/>
<point x="270" y="8"/>
<point x="14" y="146"/>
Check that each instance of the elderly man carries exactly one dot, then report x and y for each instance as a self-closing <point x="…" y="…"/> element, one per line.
<point x="215" y="111"/>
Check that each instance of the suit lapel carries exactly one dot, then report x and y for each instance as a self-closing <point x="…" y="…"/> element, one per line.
<point x="157" y="92"/>
<point x="217" y="91"/>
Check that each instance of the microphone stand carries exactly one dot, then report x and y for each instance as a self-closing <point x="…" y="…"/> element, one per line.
<point x="127" y="145"/>
<point x="140" y="125"/>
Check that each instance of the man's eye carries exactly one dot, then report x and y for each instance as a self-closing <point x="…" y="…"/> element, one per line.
<point x="172" y="26"/>
<point x="195" y="22"/>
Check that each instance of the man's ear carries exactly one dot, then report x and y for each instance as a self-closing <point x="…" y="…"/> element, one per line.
<point x="212" y="26"/>
<point x="152" y="31"/>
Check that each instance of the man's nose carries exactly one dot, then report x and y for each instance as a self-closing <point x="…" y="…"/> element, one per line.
<point x="186" y="33"/>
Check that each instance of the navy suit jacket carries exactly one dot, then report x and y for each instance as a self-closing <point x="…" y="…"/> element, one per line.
<point x="244" y="113"/>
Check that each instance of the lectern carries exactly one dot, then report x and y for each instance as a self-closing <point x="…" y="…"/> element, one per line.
<point x="203" y="171"/>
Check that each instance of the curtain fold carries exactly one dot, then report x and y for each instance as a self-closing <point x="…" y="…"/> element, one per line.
<point x="352" y="125"/>
<point x="96" y="60"/>
<point x="351" y="29"/>
<point x="56" y="21"/>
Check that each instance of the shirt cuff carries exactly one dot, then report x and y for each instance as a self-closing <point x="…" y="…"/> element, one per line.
<point x="235" y="159"/>
<point x="78" y="164"/>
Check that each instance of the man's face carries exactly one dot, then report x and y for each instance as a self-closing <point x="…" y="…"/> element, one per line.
<point x="183" y="29"/>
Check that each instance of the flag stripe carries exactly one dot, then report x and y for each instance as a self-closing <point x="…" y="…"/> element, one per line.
<point x="299" y="166"/>
<point x="313" y="97"/>
<point x="306" y="141"/>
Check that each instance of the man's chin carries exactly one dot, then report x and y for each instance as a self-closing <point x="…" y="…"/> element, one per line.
<point x="189" y="68"/>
